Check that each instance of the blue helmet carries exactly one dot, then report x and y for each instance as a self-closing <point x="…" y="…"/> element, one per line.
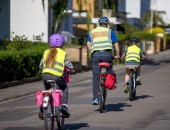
<point x="103" y="20"/>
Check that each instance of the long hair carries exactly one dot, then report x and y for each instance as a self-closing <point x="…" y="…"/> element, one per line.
<point x="50" y="60"/>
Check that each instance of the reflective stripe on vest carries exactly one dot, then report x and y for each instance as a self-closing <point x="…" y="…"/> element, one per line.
<point x="101" y="39"/>
<point x="133" y="53"/>
<point x="58" y="68"/>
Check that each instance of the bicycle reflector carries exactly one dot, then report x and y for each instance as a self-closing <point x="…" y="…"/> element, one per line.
<point x="47" y="93"/>
<point x="103" y="75"/>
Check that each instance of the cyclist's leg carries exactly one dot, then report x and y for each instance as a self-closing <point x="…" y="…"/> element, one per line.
<point x="127" y="75"/>
<point x="138" y="75"/>
<point x="138" y="70"/>
<point x="64" y="100"/>
<point x="63" y="86"/>
<point x="96" y="71"/>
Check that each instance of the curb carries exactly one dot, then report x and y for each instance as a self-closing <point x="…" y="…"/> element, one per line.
<point x="19" y="82"/>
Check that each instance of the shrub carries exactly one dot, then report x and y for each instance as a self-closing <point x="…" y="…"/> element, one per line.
<point x="17" y="65"/>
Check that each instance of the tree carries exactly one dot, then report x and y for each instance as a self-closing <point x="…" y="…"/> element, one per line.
<point x="58" y="8"/>
<point x="129" y="29"/>
<point x="157" y="19"/>
<point x="111" y="4"/>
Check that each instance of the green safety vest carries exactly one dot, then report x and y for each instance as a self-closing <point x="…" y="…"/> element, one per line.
<point x="58" y="67"/>
<point x="101" y="39"/>
<point x="133" y="53"/>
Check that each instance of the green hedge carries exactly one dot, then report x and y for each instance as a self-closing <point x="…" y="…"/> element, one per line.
<point x="20" y="64"/>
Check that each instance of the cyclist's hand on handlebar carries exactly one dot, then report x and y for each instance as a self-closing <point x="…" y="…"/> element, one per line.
<point x="72" y="71"/>
<point x="39" y="72"/>
<point x="116" y="57"/>
<point x="122" y="60"/>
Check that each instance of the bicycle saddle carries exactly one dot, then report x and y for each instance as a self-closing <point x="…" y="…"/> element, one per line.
<point x="50" y="81"/>
<point x="104" y="64"/>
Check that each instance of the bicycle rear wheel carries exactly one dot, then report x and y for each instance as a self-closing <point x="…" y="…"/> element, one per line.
<point x="60" y="120"/>
<point x="102" y="98"/>
<point x="130" y="87"/>
<point x="49" y="117"/>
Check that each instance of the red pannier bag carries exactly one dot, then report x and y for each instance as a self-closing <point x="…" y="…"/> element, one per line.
<point x="110" y="81"/>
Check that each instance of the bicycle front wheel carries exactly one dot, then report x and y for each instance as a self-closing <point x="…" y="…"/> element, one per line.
<point x="49" y="117"/>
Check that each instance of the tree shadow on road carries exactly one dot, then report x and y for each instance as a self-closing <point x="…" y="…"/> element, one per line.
<point x="20" y="128"/>
<point x="75" y="126"/>
<point x="165" y="61"/>
<point x="149" y="62"/>
<point x="143" y="97"/>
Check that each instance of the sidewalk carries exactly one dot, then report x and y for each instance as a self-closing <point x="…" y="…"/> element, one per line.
<point x="30" y="88"/>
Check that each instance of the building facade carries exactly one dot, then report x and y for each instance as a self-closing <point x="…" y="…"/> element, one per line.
<point x="23" y="17"/>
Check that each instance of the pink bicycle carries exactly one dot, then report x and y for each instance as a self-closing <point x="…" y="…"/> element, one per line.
<point x="50" y="100"/>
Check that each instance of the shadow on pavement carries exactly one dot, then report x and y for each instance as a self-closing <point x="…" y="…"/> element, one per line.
<point x="149" y="62"/>
<point x="165" y="61"/>
<point x="72" y="126"/>
<point x="75" y="126"/>
<point x="115" y="107"/>
<point x="143" y="97"/>
<point x="20" y="128"/>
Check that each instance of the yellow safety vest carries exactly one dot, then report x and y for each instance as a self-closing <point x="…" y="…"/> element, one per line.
<point x="101" y="39"/>
<point x="58" y="68"/>
<point x="133" y="53"/>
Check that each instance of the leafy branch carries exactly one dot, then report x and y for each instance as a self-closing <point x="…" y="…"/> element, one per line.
<point x="58" y="8"/>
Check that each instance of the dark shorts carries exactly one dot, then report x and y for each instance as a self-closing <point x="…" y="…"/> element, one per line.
<point x="132" y="63"/>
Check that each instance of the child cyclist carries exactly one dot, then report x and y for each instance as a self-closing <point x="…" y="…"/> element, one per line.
<point x="133" y="55"/>
<point x="52" y="65"/>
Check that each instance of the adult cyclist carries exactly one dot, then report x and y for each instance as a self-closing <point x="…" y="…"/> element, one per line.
<point x="100" y="42"/>
<point x="52" y="65"/>
<point x="133" y="55"/>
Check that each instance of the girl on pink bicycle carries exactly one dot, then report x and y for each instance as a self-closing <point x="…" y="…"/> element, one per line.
<point x="52" y="67"/>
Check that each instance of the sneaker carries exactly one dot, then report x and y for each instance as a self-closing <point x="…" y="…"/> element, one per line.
<point x="64" y="110"/>
<point x="95" y="101"/>
<point x="138" y="80"/>
<point x="125" y="88"/>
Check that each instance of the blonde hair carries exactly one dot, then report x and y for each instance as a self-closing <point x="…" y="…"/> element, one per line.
<point x="50" y="60"/>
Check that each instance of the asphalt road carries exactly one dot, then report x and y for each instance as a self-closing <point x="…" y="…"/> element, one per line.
<point x="150" y="111"/>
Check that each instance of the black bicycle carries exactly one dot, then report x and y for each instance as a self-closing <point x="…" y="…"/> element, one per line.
<point x="132" y="82"/>
<point x="102" y="89"/>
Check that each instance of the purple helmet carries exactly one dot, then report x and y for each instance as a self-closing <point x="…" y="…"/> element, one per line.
<point x="56" y="40"/>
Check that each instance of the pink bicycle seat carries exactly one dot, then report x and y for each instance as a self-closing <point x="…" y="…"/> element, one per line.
<point x="104" y="64"/>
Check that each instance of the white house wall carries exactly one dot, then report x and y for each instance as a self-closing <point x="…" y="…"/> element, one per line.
<point x="28" y="18"/>
<point x="133" y="8"/>
<point x="163" y="5"/>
